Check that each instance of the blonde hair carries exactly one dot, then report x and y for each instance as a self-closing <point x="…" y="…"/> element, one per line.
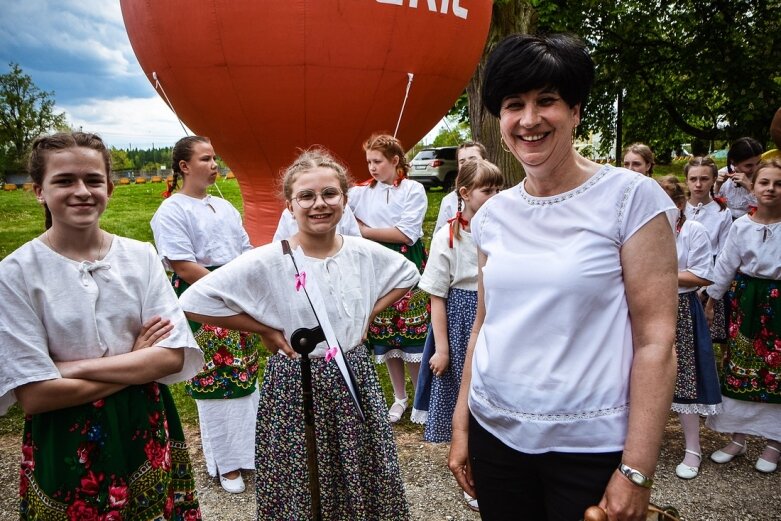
<point x="644" y="151"/>
<point x="774" y="162"/>
<point x="677" y="192"/>
<point x="474" y="174"/>
<point x="317" y="157"/>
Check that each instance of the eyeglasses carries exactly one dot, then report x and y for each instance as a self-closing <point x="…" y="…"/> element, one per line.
<point x="306" y="198"/>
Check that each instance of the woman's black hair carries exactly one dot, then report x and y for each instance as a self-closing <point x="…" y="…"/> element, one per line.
<point x="742" y="149"/>
<point x="524" y="62"/>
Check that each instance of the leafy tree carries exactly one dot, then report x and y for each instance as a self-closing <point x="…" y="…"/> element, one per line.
<point x="120" y="159"/>
<point x="679" y="71"/>
<point x="508" y="17"/>
<point x="25" y="113"/>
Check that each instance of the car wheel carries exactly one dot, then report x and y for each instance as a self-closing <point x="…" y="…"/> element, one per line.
<point x="450" y="179"/>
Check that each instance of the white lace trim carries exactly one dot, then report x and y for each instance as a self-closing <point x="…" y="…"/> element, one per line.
<point x="418" y="416"/>
<point x="412" y="358"/>
<point x="696" y="408"/>
<point x="555" y="199"/>
<point x="561" y="417"/>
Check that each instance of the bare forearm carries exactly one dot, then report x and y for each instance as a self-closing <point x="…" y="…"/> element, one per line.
<point x="239" y="322"/>
<point x="687" y="279"/>
<point x="651" y="392"/>
<point x="439" y="324"/>
<point x="60" y="393"/>
<point x="389" y="298"/>
<point x="188" y="271"/>
<point x="137" y="367"/>
<point x="392" y="235"/>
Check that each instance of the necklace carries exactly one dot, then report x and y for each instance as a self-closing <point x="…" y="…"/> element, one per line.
<point x="101" y="252"/>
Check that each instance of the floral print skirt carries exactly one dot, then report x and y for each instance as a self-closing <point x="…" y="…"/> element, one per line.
<point x="400" y="330"/>
<point x="358" y="469"/>
<point x="122" y="457"/>
<point x="752" y="367"/>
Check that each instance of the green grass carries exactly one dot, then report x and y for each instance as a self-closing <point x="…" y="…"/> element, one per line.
<point x="128" y="214"/>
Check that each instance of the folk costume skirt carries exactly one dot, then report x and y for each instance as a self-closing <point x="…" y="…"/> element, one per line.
<point x="751" y="376"/>
<point x="358" y="468"/>
<point x="120" y="457"/>
<point x="225" y="392"/>
<point x="400" y="330"/>
<point x="436" y="396"/>
<point x="697" y="383"/>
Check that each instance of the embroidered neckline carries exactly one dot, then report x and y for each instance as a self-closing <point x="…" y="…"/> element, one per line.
<point x="555" y="199"/>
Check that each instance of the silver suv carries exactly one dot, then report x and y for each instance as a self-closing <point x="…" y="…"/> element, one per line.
<point x="435" y="167"/>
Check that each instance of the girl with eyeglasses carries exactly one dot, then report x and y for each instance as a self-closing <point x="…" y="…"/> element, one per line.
<point x="264" y="291"/>
<point x="196" y="233"/>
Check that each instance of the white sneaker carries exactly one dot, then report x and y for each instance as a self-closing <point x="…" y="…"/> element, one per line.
<point x="234" y="486"/>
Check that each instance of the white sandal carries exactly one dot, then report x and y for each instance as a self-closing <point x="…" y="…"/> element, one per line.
<point x="725" y="457"/>
<point x="684" y="471"/>
<point x="471" y="502"/>
<point x="766" y="466"/>
<point x="396" y="410"/>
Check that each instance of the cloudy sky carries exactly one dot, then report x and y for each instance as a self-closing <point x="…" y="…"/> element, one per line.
<point x="79" y="50"/>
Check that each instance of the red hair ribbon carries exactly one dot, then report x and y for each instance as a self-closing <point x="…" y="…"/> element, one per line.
<point x="720" y="200"/>
<point x="463" y="222"/>
<point x="401" y="175"/>
<point x="751" y="210"/>
<point x="167" y="193"/>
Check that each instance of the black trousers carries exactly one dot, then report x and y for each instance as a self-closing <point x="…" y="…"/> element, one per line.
<point x="553" y="486"/>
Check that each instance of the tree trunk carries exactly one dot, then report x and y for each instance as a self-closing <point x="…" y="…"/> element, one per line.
<point x="619" y="127"/>
<point x="509" y="17"/>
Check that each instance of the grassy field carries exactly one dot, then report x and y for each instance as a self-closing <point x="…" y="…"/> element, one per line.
<point x="129" y="211"/>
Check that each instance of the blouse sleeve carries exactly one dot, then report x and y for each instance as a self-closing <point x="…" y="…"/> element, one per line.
<point x="447" y="209"/>
<point x="726" y="267"/>
<point x="172" y="235"/>
<point x="244" y="285"/>
<point x="411" y="221"/>
<point x="23" y="338"/>
<point x="391" y="269"/>
<point x="437" y="276"/>
<point x="349" y="224"/>
<point x="160" y="300"/>
<point x="724" y="227"/>
<point x="286" y="226"/>
<point x="245" y="244"/>
<point x="642" y="200"/>
<point x="700" y="257"/>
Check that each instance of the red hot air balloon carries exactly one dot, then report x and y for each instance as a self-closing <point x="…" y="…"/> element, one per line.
<point x="263" y="78"/>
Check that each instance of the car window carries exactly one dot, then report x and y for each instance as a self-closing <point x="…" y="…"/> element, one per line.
<point x="446" y="153"/>
<point x="425" y="155"/>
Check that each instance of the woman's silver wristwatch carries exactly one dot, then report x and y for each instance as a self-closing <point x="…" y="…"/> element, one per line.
<point x="635" y="476"/>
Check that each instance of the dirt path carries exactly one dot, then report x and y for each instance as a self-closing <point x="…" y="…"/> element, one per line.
<point x="734" y="491"/>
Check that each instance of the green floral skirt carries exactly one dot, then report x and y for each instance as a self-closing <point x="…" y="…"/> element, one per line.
<point x="399" y="331"/>
<point x="752" y="368"/>
<point x="122" y="457"/>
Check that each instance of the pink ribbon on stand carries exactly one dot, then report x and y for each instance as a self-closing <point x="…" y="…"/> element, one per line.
<point x="300" y="280"/>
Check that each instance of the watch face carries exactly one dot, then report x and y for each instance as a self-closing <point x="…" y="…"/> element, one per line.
<point x="636" y="478"/>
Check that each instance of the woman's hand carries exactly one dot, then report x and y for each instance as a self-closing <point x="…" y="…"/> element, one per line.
<point x="154" y="330"/>
<point x="709" y="311"/>
<point x="741" y="179"/>
<point x="439" y="363"/>
<point x="625" y="501"/>
<point x="458" y="460"/>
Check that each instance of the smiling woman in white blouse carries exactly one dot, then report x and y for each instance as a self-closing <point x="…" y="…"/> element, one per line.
<point x="564" y="399"/>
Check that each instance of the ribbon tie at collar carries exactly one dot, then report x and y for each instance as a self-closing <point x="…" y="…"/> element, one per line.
<point x="87" y="267"/>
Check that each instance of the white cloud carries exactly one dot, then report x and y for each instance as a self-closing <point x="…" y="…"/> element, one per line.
<point x="138" y="122"/>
